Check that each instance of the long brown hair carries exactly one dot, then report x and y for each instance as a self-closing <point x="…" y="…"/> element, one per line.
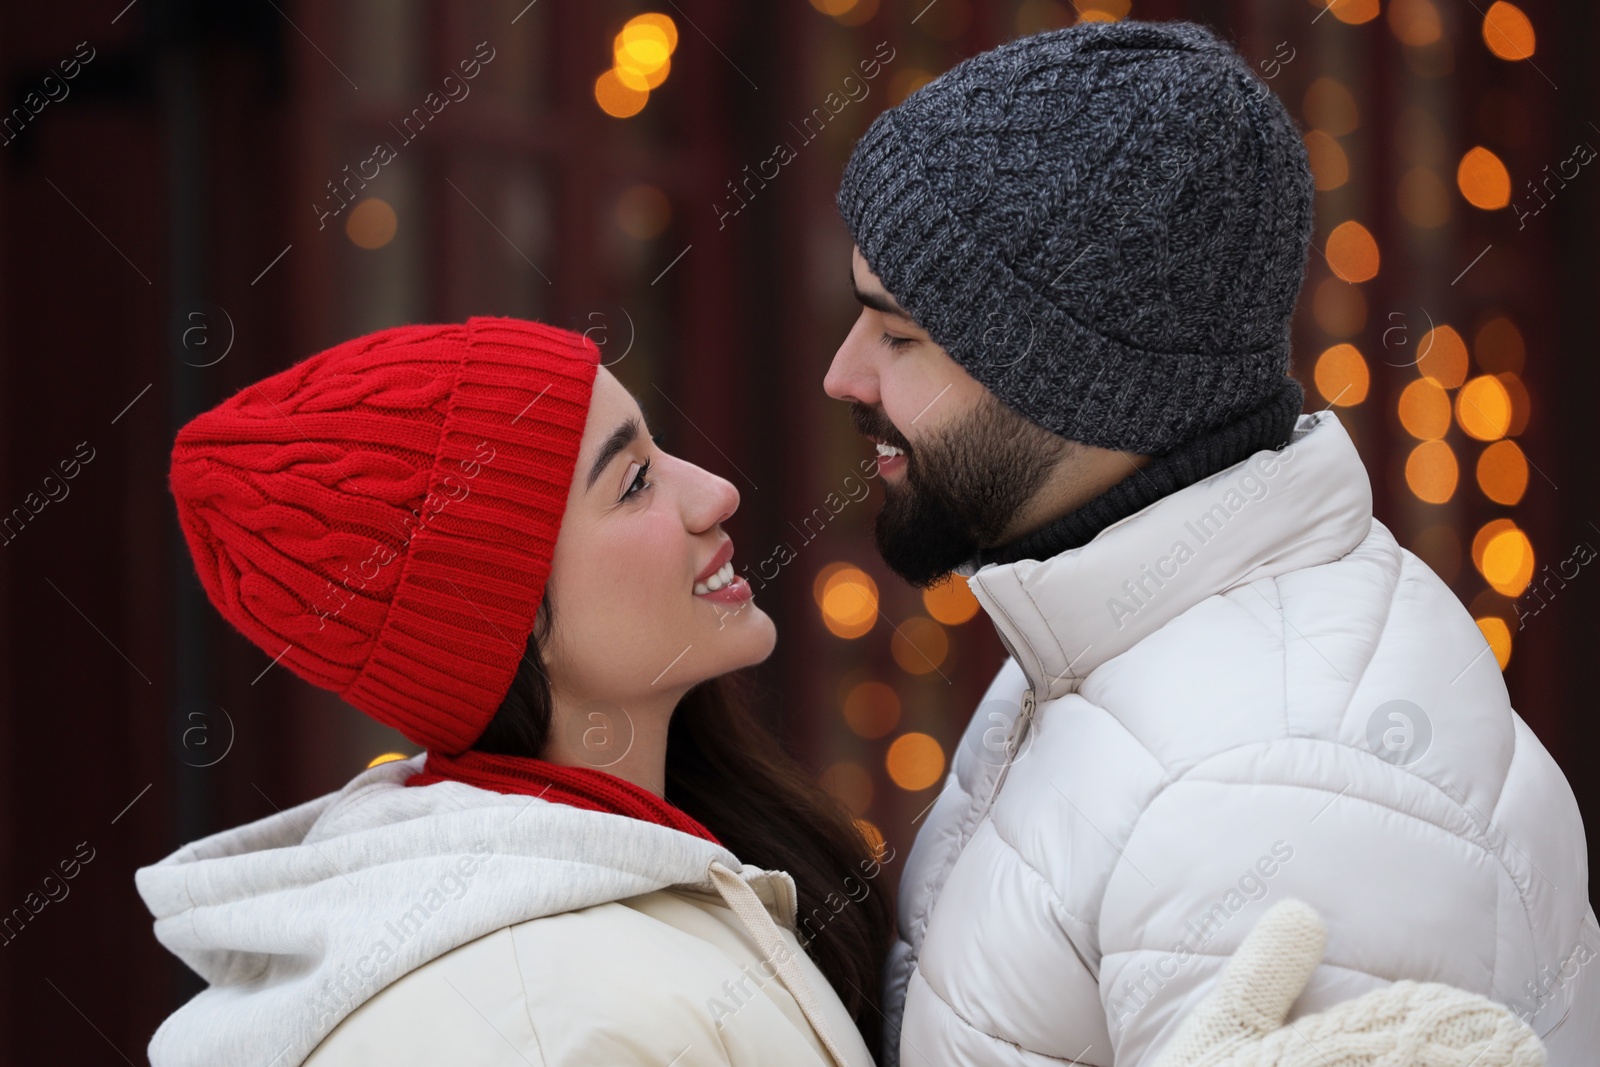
<point x="728" y="771"/>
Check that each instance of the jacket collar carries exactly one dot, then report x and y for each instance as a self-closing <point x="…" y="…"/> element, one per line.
<point x="1273" y="512"/>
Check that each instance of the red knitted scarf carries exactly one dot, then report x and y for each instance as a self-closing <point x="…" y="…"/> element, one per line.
<point x="581" y="787"/>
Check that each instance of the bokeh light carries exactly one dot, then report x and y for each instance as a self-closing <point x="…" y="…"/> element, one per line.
<point x="919" y="645"/>
<point x="372" y="224"/>
<point x="914" y="761"/>
<point x="871" y="709"/>
<point x="1330" y="167"/>
<point x="1341" y="375"/>
<point x="1431" y="472"/>
<point x="1424" y="410"/>
<point x="1486" y="533"/>
<point x="1498" y="347"/>
<point x="849" y="602"/>
<point x="1503" y="472"/>
<point x="1483" y="408"/>
<point x="1415" y="22"/>
<point x="1352" y="252"/>
<point x="1329" y="107"/>
<point x="1353" y="12"/>
<point x="1442" y="356"/>
<point x="1521" y="404"/>
<point x="1102" y="10"/>
<point x="1498" y="634"/>
<point x="1508" y="32"/>
<point x="951" y="601"/>
<point x="1339" y="307"/>
<point x="1036" y="16"/>
<point x="851" y="784"/>
<point x="1508" y="562"/>
<point x="1423" y="198"/>
<point x="1483" y="179"/>
<point x="618" y="99"/>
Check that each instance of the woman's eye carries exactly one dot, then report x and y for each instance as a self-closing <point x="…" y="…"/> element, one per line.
<point x="639" y="484"/>
<point x="896" y="342"/>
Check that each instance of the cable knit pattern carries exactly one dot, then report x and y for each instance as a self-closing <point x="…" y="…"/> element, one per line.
<point x="380" y="517"/>
<point x="1407" y="1024"/>
<point x="1106" y="225"/>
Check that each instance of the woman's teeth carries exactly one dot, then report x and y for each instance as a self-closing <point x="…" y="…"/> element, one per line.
<point x="722" y="577"/>
<point x="885" y="451"/>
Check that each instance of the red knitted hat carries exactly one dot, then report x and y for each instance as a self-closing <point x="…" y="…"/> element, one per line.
<point x="380" y="517"/>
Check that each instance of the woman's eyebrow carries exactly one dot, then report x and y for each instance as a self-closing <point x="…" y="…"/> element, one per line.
<point x="623" y="436"/>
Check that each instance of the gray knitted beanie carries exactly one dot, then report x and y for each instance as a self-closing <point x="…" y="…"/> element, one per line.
<point x="1106" y="225"/>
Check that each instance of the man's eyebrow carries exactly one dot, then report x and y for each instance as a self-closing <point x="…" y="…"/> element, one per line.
<point x="884" y="304"/>
<point x="623" y="436"/>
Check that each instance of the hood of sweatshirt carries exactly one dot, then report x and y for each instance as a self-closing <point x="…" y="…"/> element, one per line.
<point x="298" y="918"/>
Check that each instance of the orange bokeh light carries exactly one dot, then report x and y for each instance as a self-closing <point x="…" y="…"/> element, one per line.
<point x="915" y="761"/>
<point x="951" y="601"/>
<point x="1341" y="375"/>
<point x="1483" y="408"/>
<point x="849" y="602"/>
<point x="1431" y="472"/>
<point x="919" y="645"/>
<point x="617" y="98"/>
<point x="1503" y="472"/>
<point x="1443" y="356"/>
<point x="1425" y="410"/>
<point x="872" y="709"/>
<point x="1483" y="179"/>
<point x="1352" y="252"/>
<point x="1508" y="32"/>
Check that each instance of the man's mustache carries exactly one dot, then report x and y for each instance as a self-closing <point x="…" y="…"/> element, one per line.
<point x="872" y="422"/>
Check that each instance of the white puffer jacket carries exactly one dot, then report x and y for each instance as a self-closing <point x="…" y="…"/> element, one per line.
<point x="444" y="924"/>
<point x="1246" y="691"/>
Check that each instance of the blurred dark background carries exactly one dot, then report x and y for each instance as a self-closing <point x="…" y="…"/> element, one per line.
<point x="187" y="204"/>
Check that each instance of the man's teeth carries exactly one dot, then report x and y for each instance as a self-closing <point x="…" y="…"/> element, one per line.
<point x="885" y="451"/>
<point x="722" y="577"/>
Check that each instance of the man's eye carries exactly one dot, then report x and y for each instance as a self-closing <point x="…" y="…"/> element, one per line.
<point x="897" y="342"/>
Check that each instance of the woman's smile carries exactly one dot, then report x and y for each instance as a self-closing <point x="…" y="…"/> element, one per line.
<point x="718" y="582"/>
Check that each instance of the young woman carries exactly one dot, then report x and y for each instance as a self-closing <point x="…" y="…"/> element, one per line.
<point x="467" y="532"/>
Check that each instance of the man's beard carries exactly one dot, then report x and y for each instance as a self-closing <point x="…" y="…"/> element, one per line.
<point x="962" y="489"/>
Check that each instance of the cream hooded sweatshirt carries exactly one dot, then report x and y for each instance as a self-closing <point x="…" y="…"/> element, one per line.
<point x="449" y="924"/>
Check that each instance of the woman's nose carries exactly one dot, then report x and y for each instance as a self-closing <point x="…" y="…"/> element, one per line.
<point x="715" y="499"/>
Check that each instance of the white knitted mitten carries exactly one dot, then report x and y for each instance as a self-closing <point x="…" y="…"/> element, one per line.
<point x="1408" y="1024"/>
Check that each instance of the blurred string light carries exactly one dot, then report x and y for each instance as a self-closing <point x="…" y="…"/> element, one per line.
<point x="1508" y="32"/>
<point x="1341" y="375"/>
<point x="1352" y="252"/>
<point x="847" y="12"/>
<point x="1483" y="179"/>
<point x="641" y="60"/>
<point x="1432" y="472"/>
<point x="851" y="784"/>
<point x="914" y="761"/>
<point x="919" y="645"/>
<point x="871" y="709"/>
<point x="848" y="598"/>
<point x="1351" y="12"/>
<point x="1415" y="22"/>
<point x="951" y="601"/>
<point x="371" y="224"/>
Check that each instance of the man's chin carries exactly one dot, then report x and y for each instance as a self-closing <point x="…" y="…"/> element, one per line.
<point x="922" y="544"/>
